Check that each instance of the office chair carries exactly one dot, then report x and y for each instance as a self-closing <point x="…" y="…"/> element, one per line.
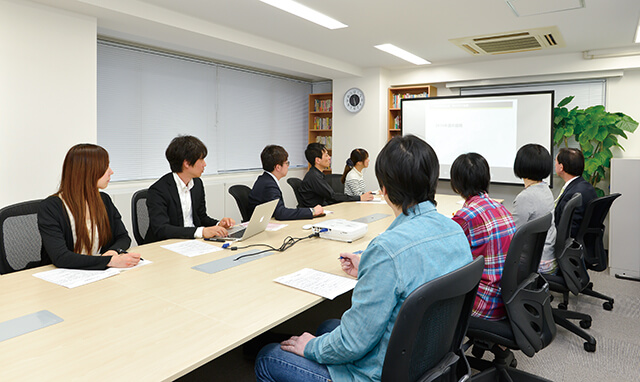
<point x="295" y="184"/>
<point x="572" y="275"/>
<point x="529" y="324"/>
<point x="20" y="240"/>
<point x="335" y="180"/>
<point x="240" y="193"/>
<point x="426" y="341"/>
<point x="590" y="236"/>
<point x="140" y="216"/>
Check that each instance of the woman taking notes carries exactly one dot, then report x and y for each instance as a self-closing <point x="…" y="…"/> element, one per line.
<point x="79" y="225"/>
<point x="352" y="177"/>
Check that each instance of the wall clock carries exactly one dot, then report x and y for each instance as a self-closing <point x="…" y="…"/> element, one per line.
<point x="354" y="100"/>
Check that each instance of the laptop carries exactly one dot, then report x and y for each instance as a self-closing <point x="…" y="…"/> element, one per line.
<point x="258" y="222"/>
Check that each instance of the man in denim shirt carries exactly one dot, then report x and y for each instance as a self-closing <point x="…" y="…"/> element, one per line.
<point x="420" y="245"/>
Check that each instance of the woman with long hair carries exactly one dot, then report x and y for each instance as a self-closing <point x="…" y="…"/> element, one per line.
<point x="352" y="176"/>
<point x="79" y="225"/>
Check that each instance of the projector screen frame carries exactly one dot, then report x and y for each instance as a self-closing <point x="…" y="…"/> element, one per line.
<point x="493" y="97"/>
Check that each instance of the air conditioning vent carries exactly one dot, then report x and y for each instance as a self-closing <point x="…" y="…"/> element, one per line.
<point x="512" y="42"/>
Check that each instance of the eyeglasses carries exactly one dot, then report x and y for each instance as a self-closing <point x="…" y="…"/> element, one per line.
<point x="288" y="163"/>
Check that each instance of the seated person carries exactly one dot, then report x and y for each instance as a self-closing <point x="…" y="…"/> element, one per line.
<point x="533" y="163"/>
<point x="488" y="226"/>
<point x="419" y="246"/>
<point x="79" y="225"/>
<point x="176" y="202"/>
<point x="352" y="177"/>
<point x="315" y="189"/>
<point x="275" y="164"/>
<point x="569" y="167"/>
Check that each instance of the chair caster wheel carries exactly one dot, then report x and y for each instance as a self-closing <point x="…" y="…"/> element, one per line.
<point x="590" y="347"/>
<point x="585" y="324"/>
<point x="607" y="305"/>
<point x="562" y="306"/>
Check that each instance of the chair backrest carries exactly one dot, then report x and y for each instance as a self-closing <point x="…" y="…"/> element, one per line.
<point x="140" y="215"/>
<point x="295" y="184"/>
<point x="525" y="293"/>
<point x="591" y="232"/>
<point x="426" y="340"/>
<point x="20" y="242"/>
<point x="569" y="252"/>
<point x="335" y="180"/>
<point x="240" y="193"/>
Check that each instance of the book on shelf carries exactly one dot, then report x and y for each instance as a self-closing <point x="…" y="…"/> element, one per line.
<point x="322" y="123"/>
<point x="322" y="105"/>
<point x="325" y="140"/>
<point x="398" y="97"/>
<point x="396" y="123"/>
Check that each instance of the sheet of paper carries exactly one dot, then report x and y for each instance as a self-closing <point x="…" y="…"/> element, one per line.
<point x="191" y="248"/>
<point x="275" y="226"/>
<point x="374" y="201"/>
<point x="71" y="278"/>
<point x="328" y="212"/>
<point x="140" y="264"/>
<point x="322" y="284"/>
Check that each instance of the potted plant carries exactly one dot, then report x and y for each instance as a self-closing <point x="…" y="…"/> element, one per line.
<point x="596" y="131"/>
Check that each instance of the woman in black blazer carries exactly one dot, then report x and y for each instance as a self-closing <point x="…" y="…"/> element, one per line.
<point x="102" y="240"/>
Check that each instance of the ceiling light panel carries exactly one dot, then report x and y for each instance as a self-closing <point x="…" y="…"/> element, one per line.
<point x="538" y="7"/>
<point x="306" y="13"/>
<point x="403" y="54"/>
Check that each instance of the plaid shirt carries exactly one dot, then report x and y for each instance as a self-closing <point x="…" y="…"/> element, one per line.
<point x="489" y="228"/>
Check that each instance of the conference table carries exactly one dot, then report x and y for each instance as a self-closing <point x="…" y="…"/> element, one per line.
<point x="165" y="319"/>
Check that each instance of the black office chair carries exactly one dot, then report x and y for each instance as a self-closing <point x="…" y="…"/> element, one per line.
<point x="295" y="184"/>
<point x="572" y="275"/>
<point x="240" y="193"/>
<point x="19" y="237"/>
<point x="335" y="180"/>
<point x="426" y="341"/>
<point x="590" y="236"/>
<point x="529" y="324"/>
<point x="140" y="216"/>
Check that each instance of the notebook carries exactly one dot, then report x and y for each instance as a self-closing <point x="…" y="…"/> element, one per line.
<point x="258" y="223"/>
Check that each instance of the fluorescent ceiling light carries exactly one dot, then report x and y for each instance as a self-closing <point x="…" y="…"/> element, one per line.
<point x="403" y="54"/>
<point x="306" y="13"/>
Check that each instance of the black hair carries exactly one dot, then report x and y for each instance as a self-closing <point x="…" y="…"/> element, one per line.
<point x="470" y="175"/>
<point x="408" y="168"/>
<point x="184" y="147"/>
<point x="572" y="161"/>
<point x="533" y="162"/>
<point x="357" y="155"/>
<point x="273" y="155"/>
<point x="313" y="151"/>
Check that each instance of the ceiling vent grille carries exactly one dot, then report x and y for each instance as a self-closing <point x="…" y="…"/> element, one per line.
<point x="512" y="42"/>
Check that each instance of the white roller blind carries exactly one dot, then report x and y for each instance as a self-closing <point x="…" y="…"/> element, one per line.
<point x="147" y="98"/>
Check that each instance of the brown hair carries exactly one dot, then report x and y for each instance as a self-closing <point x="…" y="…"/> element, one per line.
<point x="83" y="166"/>
<point x="357" y="155"/>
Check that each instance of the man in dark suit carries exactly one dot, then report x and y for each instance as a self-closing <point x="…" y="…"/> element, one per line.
<point x="266" y="188"/>
<point x="569" y="167"/>
<point x="176" y="202"/>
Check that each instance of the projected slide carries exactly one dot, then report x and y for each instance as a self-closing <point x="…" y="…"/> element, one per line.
<point x="494" y="126"/>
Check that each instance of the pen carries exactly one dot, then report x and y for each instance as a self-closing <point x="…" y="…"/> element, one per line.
<point x="217" y="239"/>
<point x="355" y="253"/>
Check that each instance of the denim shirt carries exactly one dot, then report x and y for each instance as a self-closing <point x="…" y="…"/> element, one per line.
<point x="416" y="248"/>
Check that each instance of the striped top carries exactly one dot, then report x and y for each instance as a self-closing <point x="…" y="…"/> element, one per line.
<point x="354" y="183"/>
<point x="489" y="228"/>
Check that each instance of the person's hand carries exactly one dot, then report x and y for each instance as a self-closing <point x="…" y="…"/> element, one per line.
<point x="123" y="260"/>
<point x="366" y="196"/>
<point x="349" y="263"/>
<point x="212" y="231"/>
<point x="318" y="210"/>
<point x="296" y="344"/>
<point x="226" y="223"/>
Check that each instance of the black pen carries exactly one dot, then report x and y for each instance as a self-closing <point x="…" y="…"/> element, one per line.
<point x="219" y="240"/>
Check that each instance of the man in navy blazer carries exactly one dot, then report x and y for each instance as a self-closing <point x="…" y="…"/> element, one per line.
<point x="176" y="202"/>
<point x="569" y="167"/>
<point x="266" y="188"/>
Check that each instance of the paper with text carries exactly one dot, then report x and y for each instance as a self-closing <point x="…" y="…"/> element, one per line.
<point x="191" y="248"/>
<point x="140" y="264"/>
<point x="322" y="284"/>
<point x="71" y="278"/>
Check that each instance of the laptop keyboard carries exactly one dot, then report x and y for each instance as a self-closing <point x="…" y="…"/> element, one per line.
<point x="238" y="234"/>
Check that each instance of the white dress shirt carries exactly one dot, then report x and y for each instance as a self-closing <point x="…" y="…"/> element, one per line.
<point x="184" y="192"/>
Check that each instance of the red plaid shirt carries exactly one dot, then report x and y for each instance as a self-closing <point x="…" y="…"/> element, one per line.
<point x="489" y="228"/>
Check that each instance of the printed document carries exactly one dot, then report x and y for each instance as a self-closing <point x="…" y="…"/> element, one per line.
<point x="322" y="284"/>
<point x="71" y="278"/>
<point x="191" y="248"/>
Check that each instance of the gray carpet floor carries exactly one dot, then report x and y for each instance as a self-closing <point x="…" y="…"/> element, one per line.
<point x="617" y="357"/>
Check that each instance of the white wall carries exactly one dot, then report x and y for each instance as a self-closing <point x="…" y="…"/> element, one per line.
<point x="47" y="93"/>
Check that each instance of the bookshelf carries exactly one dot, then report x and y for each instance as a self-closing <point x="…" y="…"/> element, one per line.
<point x="321" y="120"/>
<point x="396" y="94"/>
